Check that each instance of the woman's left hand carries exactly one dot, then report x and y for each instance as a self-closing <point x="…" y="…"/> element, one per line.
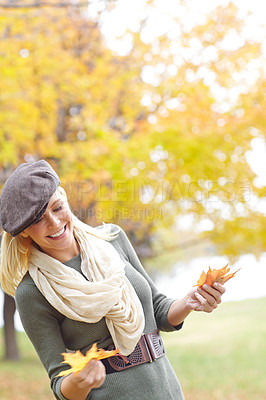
<point x="205" y="298"/>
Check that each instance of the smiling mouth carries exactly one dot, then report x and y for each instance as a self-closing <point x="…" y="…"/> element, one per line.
<point x="59" y="233"/>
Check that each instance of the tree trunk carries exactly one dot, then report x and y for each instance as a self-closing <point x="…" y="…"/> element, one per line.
<point x="11" y="348"/>
<point x="61" y="121"/>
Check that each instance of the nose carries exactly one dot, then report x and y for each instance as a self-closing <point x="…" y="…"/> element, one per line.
<point x="52" y="220"/>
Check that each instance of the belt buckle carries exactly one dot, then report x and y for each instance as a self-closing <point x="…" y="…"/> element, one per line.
<point x="149" y="345"/>
<point x="155" y="345"/>
<point x="145" y="348"/>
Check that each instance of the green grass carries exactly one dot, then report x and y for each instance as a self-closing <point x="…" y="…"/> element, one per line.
<point x="222" y="355"/>
<point x="218" y="356"/>
<point x="25" y="379"/>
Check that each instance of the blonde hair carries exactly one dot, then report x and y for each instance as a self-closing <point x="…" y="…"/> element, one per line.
<point x="15" y="251"/>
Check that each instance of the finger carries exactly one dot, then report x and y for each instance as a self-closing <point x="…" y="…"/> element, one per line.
<point x="217" y="290"/>
<point x="87" y="370"/>
<point x="91" y="373"/>
<point x="100" y="375"/>
<point x="212" y="298"/>
<point x="216" y="294"/>
<point x="219" y="287"/>
<point x="205" y="306"/>
<point x="94" y="367"/>
<point x="96" y="374"/>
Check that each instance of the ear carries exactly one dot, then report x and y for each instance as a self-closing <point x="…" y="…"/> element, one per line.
<point x="24" y="234"/>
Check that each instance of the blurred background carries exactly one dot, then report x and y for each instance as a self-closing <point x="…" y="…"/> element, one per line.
<point x="153" y="115"/>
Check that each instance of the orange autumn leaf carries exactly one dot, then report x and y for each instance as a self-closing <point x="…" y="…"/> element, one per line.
<point x="215" y="275"/>
<point x="78" y="361"/>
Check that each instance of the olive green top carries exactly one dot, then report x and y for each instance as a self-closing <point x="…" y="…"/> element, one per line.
<point x="52" y="333"/>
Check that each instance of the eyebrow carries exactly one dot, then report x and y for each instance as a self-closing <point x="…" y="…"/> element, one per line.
<point x="56" y="201"/>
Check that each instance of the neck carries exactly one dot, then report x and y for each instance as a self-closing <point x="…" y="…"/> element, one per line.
<point x="70" y="253"/>
<point x="66" y="254"/>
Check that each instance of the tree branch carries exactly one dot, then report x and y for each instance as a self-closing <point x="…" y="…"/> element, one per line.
<point x="46" y="4"/>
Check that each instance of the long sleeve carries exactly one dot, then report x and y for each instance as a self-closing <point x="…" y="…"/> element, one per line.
<point x="52" y="333"/>
<point x="41" y="323"/>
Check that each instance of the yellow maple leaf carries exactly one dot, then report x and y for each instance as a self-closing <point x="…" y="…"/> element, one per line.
<point x="78" y="361"/>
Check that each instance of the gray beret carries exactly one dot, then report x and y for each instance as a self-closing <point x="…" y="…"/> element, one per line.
<point x="25" y="195"/>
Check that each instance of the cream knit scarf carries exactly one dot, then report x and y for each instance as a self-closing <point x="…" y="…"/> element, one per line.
<point x="108" y="293"/>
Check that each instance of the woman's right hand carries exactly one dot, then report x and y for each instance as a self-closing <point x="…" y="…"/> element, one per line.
<point x="78" y="385"/>
<point x="93" y="375"/>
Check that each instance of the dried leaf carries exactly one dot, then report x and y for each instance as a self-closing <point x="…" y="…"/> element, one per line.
<point x="215" y="275"/>
<point x="202" y="279"/>
<point x="224" y="279"/>
<point x="78" y="361"/>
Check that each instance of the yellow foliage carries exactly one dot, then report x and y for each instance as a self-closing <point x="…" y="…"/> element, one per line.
<point x="135" y="146"/>
<point x="78" y="361"/>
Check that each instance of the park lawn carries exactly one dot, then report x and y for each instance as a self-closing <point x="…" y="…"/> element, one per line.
<point x="25" y="379"/>
<point x="216" y="356"/>
<point x="222" y="355"/>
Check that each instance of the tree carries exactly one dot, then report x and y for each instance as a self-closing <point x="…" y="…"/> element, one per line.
<point x="11" y="348"/>
<point x="155" y="130"/>
<point x="203" y="109"/>
<point x="144" y="138"/>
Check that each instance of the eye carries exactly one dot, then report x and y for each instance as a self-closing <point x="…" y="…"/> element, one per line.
<point x="58" y="208"/>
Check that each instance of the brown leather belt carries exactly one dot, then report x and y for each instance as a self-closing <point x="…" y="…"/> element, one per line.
<point x="148" y="349"/>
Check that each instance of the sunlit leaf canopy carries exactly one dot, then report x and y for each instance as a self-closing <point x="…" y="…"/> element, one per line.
<point x="150" y="122"/>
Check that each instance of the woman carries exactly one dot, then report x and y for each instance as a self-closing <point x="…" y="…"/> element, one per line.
<point x="75" y="285"/>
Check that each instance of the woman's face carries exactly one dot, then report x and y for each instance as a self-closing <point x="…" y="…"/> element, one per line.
<point x="54" y="231"/>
